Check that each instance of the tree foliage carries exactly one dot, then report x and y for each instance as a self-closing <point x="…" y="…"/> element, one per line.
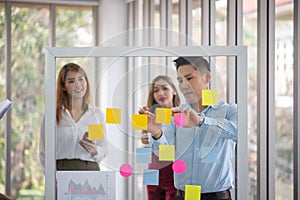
<point x="30" y="35"/>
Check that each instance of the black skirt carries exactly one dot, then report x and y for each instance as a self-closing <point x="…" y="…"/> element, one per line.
<point x="76" y="165"/>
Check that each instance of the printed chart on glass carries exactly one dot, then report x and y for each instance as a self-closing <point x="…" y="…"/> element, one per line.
<point x="85" y="185"/>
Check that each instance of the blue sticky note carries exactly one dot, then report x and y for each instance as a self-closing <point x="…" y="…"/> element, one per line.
<point x="150" y="177"/>
<point x="143" y="155"/>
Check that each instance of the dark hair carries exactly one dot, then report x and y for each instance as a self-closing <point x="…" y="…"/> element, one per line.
<point x="198" y="62"/>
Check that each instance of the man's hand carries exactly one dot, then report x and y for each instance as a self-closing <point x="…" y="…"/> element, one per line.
<point x="153" y="128"/>
<point x="193" y="118"/>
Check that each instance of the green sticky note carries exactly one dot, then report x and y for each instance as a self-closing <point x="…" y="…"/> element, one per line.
<point x="139" y="122"/>
<point x="95" y="131"/>
<point x="192" y="192"/>
<point x="113" y="115"/>
<point x="166" y="152"/>
<point x="209" y="97"/>
<point x="163" y="115"/>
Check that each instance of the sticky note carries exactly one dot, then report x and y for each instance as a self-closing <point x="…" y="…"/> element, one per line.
<point x="166" y="152"/>
<point x="163" y="115"/>
<point x="139" y="122"/>
<point x="209" y="97"/>
<point x="150" y="177"/>
<point x="113" y="115"/>
<point x="95" y="131"/>
<point x="179" y="166"/>
<point x="126" y="170"/>
<point x="143" y="155"/>
<point x="180" y="119"/>
<point x="192" y="192"/>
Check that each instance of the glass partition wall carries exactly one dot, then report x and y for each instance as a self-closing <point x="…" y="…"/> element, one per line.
<point x="131" y="88"/>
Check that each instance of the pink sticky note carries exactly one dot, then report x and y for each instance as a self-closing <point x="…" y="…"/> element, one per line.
<point x="126" y="170"/>
<point x="179" y="166"/>
<point x="180" y="119"/>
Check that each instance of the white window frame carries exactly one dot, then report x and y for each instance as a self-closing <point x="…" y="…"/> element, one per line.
<point x="51" y="53"/>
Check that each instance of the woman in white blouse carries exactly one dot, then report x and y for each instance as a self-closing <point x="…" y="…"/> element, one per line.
<point x="73" y="115"/>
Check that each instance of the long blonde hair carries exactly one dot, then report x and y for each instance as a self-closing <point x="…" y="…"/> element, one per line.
<point x="151" y="101"/>
<point x="62" y="98"/>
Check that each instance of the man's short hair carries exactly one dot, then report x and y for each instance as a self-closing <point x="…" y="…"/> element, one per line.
<point x="198" y="62"/>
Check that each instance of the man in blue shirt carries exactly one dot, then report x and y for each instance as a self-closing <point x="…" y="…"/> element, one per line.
<point x="207" y="141"/>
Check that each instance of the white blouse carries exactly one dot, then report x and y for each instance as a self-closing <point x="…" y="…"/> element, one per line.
<point x="68" y="134"/>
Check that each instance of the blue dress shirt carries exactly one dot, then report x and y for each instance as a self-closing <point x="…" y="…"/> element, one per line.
<point x="207" y="150"/>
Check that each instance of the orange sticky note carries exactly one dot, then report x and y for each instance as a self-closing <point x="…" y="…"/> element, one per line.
<point x="209" y="97"/>
<point x="113" y="115"/>
<point x="192" y="192"/>
<point x="166" y="152"/>
<point x="139" y="122"/>
<point x="163" y="115"/>
<point x="95" y="131"/>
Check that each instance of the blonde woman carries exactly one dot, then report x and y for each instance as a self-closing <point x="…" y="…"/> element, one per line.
<point x="162" y="92"/>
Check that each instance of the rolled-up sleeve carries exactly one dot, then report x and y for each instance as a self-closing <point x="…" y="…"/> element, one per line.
<point x="226" y="127"/>
<point x="167" y="137"/>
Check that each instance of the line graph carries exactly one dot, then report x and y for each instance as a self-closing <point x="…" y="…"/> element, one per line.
<point x="86" y="185"/>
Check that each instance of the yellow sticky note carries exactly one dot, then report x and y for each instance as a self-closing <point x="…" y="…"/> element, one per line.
<point x="139" y="122"/>
<point x="163" y="115"/>
<point x="95" y="131"/>
<point x="192" y="192"/>
<point x="113" y="115"/>
<point x="209" y="97"/>
<point x="166" y="152"/>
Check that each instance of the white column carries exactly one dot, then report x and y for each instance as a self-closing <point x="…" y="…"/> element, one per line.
<point x="111" y="84"/>
<point x="266" y="100"/>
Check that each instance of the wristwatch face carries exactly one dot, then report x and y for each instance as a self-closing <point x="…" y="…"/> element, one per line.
<point x="201" y="115"/>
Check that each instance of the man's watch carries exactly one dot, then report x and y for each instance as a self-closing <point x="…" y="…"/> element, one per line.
<point x="202" y="117"/>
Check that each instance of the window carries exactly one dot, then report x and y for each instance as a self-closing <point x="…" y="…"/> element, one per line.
<point x="284" y="100"/>
<point x="30" y="25"/>
<point x="2" y="92"/>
